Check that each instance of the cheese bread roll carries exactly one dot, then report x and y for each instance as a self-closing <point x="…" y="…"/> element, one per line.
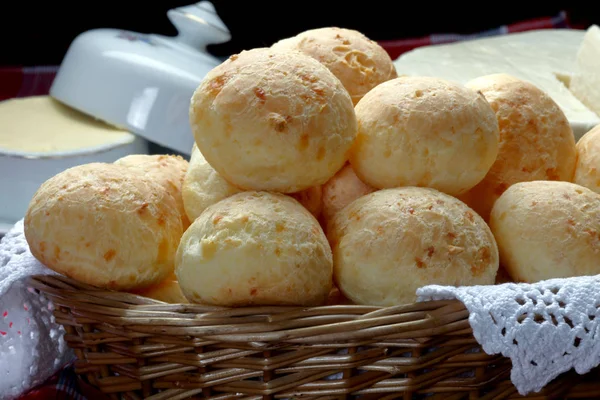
<point x="255" y="248"/>
<point x="167" y="170"/>
<point x="587" y="171"/>
<point x="389" y="243"/>
<point x="547" y="229"/>
<point x="104" y="225"/>
<point x="422" y="131"/>
<point x="357" y="61"/>
<point x="342" y="189"/>
<point x="167" y="291"/>
<point x="536" y="140"/>
<point x="273" y="120"/>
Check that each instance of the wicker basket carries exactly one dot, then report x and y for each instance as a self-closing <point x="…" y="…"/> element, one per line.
<point x="132" y="347"/>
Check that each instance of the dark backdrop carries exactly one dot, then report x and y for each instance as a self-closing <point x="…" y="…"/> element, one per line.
<point x="39" y="33"/>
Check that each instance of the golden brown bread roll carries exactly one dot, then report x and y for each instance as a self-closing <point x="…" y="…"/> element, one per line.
<point x="357" y="61"/>
<point x="336" y="298"/>
<point x="272" y="120"/>
<point x="203" y="186"/>
<point x="167" y="170"/>
<point x="389" y="243"/>
<point x="311" y="199"/>
<point x="536" y="140"/>
<point x="587" y="171"/>
<point x="422" y="131"/>
<point x="255" y="248"/>
<point x="104" y="225"/>
<point x="167" y="291"/>
<point x="547" y="229"/>
<point x="502" y="276"/>
<point x="342" y="189"/>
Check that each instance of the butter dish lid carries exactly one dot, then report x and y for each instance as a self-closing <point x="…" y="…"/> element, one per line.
<point x="143" y="82"/>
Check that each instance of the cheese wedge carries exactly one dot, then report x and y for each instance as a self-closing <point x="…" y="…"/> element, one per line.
<point x="585" y="83"/>
<point x="40" y="124"/>
<point x="546" y="58"/>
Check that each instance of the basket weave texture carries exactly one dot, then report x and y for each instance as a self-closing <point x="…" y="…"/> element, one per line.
<point x="131" y="347"/>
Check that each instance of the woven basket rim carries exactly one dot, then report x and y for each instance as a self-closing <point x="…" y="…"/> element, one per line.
<point x="61" y="286"/>
<point x="256" y="324"/>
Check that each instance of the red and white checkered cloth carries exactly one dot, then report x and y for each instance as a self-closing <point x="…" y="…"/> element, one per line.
<point x="23" y="82"/>
<point x="62" y="386"/>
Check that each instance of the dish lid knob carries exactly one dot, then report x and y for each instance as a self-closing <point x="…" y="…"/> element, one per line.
<point x="198" y="25"/>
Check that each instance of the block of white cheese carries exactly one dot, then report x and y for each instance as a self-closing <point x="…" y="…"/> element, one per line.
<point x="585" y="83"/>
<point x="546" y="58"/>
<point x="40" y="124"/>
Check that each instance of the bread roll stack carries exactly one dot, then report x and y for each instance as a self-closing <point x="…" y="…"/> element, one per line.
<point x="281" y="120"/>
<point x="271" y="127"/>
<point x="320" y="127"/>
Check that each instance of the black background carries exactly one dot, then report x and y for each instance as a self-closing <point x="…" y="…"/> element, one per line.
<point x="39" y="33"/>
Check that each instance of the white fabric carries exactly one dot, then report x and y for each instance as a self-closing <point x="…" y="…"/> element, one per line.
<point x="545" y="328"/>
<point x="31" y="343"/>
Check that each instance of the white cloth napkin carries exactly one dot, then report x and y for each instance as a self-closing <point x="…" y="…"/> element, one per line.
<point x="545" y="328"/>
<point x="32" y="348"/>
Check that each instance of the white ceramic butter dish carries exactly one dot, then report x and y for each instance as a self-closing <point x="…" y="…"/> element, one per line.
<point x="143" y="82"/>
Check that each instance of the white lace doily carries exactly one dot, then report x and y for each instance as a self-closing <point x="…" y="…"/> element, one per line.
<point x="31" y="343"/>
<point x="545" y="328"/>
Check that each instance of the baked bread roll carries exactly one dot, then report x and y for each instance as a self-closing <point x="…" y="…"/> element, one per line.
<point x="389" y="243"/>
<point x="273" y="120"/>
<point x="167" y="170"/>
<point x="104" y="225"/>
<point x="358" y="62"/>
<point x="203" y="186"/>
<point x="587" y="170"/>
<point x="336" y="298"/>
<point x="311" y="199"/>
<point x="502" y="276"/>
<point x="536" y="140"/>
<point x="167" y="291"/>
<point x="547" y="229"/>
<point x="342" y="189"/>
<point x="255" y="248"/>
<point x="422" y="131"/>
